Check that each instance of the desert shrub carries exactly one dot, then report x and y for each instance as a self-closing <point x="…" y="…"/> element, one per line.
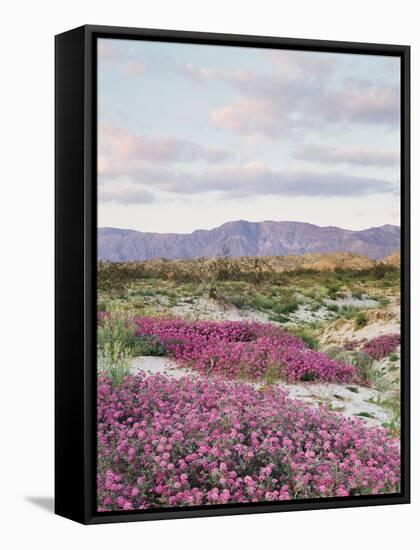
<point x="114" y="351"/>
<point x="358" y="359"/>
<point x="380" y="270"/>
<point x="393" y="405"/>
<point x="279" y="318"/>
<point x="360" y="320"/>
<point x="307" y="334"/>
<point x="114" y="329"/>
<point x="286" y="308"/>
<point x="260" y="301"/>
<point x="148" y="345"/>
<point x="350" y="345"/>
<point x="349" y="312"/>
<point x="332" y="291"/>
<point x="113" y="361"/>
<point x="237" y="300"/>
<point x="116" y="336"/>
<point x="167" y="442"/>
<point x="101" y="316"/>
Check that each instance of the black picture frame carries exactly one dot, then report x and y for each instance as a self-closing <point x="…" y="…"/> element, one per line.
<point x="75" y="271"/>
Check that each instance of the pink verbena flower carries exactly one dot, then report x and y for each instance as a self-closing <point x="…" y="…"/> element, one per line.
<point x="227" y="442"/>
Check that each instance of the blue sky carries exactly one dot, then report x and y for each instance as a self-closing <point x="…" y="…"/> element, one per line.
<point x="192" y="136"/>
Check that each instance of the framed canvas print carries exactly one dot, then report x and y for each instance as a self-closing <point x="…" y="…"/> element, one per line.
<point x="232" y="274"/>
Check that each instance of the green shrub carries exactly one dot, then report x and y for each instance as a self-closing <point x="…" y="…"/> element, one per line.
<point x="365" y="414"/>
<point x="259" y="301"/>
<point x="308" y="377"/>
<point x="380" y="270"/>
<point x="360" y="360"/>
<point x="285" y="309"/>
<point x="112" y="330"/>
<point x="148" y="345"/>
<point x="360" y="320"/>
<point x="332" y="291"/>
<point x="307" y="334"/>
<point x="237" y="301"/>
<point x="114" y="361"/>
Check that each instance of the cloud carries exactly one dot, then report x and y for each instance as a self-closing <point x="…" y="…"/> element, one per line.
<point x="256" y="179"/>
<point x="124" y="194"/>
<point x="108" y="50"/>
<point x="197" y="74"/>
<point x="353" y="156"/>
<point x="298" y="90"/>
<point x="120" y="57"/>
<point x="121" y="151"/>
<point x="269" y="107"/>
<point x="289" y="64"/>
<point x="247" y="116"/>
<point x="304" y="64"/>
<point x="365" y="104"/>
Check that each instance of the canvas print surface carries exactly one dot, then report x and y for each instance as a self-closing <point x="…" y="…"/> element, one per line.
<point x="248" y="276"/>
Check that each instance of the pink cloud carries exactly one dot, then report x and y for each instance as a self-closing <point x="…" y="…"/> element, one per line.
<point x="263" y="111"/>
<point x="247" y="116"/>
<point x="254" y="179"/>
<point x="196" y="74"/>
<point x="298" y="90"/>
<point x="120" y="149"/>
<point x="121" y="59"/>
<point x="302" y="64"/>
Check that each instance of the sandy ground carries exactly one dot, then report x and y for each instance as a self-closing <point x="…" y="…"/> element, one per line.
<point x="304" y="314"/>
<point x="206" y="308"/>
<point x="157" y="365"/>
<point x="362" y="303"/>
<point x="345" y="330"/>
<point x="350" y="402"/>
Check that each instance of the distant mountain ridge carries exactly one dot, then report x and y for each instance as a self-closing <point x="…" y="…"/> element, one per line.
<point x="243" y="238"/>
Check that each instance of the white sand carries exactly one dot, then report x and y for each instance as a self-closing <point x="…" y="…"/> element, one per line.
<point x="350" y="403"/>
<point x="157" y="365"/>
<point x="207" y="308"/>
<point x="362" y="303"/>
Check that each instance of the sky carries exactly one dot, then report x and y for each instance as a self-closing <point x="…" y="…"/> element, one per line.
<point x="192" y="136"/>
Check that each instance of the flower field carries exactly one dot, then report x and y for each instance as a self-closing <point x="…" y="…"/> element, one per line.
<point x="381" y="346"/>
<point x="248" y="390"/>
<point x="378" y="347"/>
<point x="243" y="350"/>
<point x="166" y="442"/>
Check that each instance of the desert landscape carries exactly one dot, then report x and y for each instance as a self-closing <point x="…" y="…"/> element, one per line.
<point x="242" y="379"/>
<point x="248" y="275"/>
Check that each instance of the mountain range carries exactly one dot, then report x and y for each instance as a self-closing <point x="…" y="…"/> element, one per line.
<point x="243" y="238"/>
